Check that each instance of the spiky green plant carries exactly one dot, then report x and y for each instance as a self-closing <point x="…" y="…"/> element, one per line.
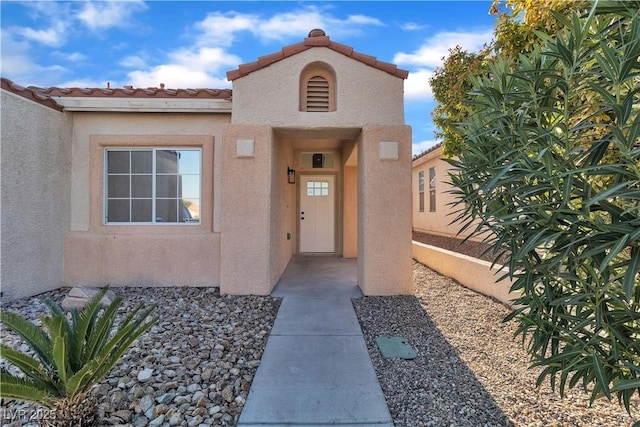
<point x="72" y="352"/>
<point x="550" y="169"/>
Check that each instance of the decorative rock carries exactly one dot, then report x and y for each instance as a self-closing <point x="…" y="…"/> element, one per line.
<point x="140" y="378"/>
<point x="146" y="403"/>
<point x="157" y="422"/>
<point x="166" y="398"/>
<point x="145" y="375"/>
<point x="79" y="296"/>
<point x="175" y="419"/>
<point x="227" y="393"/>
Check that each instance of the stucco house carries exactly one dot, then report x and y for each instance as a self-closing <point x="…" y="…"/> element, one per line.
<point x="431" y="199"/>
<point x="308" y="154"/>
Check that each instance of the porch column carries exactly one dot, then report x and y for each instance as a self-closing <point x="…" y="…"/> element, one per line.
<point x="384" y="210"/>
<point x="247" y="152"/>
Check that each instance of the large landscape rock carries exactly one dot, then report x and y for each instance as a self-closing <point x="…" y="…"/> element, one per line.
<point x="79" y="296"/>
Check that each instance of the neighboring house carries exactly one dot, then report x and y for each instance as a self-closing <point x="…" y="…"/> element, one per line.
<point x="309" y="154"/>
<point x="432" y="202"/>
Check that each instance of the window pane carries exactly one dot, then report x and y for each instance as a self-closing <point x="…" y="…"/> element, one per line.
<point x="190" y="186"/>
<point x="421" y="181"/>
<point x="189" y="162"/>
<point x="141" y="210"/>
<point x="141" y="186"/>
<point x="118" y="162"/>
<point x="141" y="161"/>
<point x="167" y="186"/>
<point x="166" y="161"/>
<point x="167" y="210"/>
<point x="193" y="206"/>
<point x="118" y="186"/>
<point x="118" y="211"/>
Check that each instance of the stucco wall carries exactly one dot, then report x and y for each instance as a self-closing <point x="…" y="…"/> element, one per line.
<point x="151" y="255"/>
<point x="471" y="272"/>
<point x="246" y="210"/>
<point x="384" y="211"/>
<point x="283" y="210"/>
<point x="365" y="95"/>
<point x="438" y="222"/>
<point x="35" y="176"/>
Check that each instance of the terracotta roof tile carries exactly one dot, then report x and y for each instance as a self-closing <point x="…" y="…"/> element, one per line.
<point x="130" y="92"/>
<point x="29" y="93"/>
<point x="427" y="151"/>
<point x="45" y="95"/>
<point x="316" y="39"/>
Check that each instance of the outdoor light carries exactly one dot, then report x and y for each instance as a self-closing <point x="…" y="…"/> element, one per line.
<point x="291" y="175"/>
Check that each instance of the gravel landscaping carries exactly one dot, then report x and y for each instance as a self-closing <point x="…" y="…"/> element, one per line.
<point x="469" y="370"/>
<point x="193" y="368"/>
<point x="196" y="365"/>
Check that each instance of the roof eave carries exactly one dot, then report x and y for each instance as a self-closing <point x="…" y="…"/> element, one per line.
<point x="144" y="105"/>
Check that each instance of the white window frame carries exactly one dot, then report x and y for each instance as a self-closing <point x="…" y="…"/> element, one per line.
<point x="154" y="175"/>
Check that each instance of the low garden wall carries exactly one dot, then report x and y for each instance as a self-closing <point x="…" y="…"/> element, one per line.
<point x="471" y="272"/>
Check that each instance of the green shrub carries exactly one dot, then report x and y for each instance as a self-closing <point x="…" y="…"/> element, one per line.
<point x="73" y="352"/>
<point x="550" y="168"/>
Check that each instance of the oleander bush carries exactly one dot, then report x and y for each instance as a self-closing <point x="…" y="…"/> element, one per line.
<point x="550" y="167"/>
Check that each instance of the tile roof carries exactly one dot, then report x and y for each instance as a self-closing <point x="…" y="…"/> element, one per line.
<point x="317" y="38"/>
<point x="29" y="93"/>
<point x="46" y="96"/>
<point x="427" y="151"/>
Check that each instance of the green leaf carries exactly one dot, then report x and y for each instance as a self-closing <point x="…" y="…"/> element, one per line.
<point x="12" y="387"/>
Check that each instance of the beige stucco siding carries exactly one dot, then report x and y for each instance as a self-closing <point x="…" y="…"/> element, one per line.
<point x="438" y="222"/>
<point x="87" y="124"/>
<point x="365" y="95"/>
<point x="35" y="175"/>
<point x="152" y="255"/>
<point x="384" y="211"/>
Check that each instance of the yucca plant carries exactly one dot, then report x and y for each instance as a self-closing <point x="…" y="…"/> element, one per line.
<point x="550" y="169"/>
<point x="72" y="353"/>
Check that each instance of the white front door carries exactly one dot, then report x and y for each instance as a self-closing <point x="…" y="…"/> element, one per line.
<point x="317" y="222"/>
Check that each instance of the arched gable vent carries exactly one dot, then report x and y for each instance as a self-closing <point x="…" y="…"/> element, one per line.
<point x="317" y="94"/>
<point x="318" y="88"/>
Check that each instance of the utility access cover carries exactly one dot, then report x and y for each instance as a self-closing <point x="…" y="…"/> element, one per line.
<point x="395" y="347"/>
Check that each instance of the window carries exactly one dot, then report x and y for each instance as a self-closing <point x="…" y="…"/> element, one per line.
<point x="432" y="189"/>
<point x="152" y="185"/>
<point x="421" y="190"/>
<point x="317" y="188"/>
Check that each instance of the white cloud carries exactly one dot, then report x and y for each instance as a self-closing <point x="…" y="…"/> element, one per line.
<point x="133" y="61"/>
<point x="107" y="14"/>
<point x="412" y="26"/>
<point x="18" y="64"/>
<point x="188" y="68"/>
<point x="416" y="86"/>
<point x="220" y="29"/>
<point x="71" y="57"/>
<point x="422" y="146"/>
<point x="204" y="64"/>
<point x="54" y="36"/>
<point x="431" y="53"/>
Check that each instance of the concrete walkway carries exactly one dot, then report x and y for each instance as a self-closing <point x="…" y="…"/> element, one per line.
<point x="316" y="369"/>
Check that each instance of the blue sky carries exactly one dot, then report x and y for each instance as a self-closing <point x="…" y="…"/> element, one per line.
<point x="192" y="44"/>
